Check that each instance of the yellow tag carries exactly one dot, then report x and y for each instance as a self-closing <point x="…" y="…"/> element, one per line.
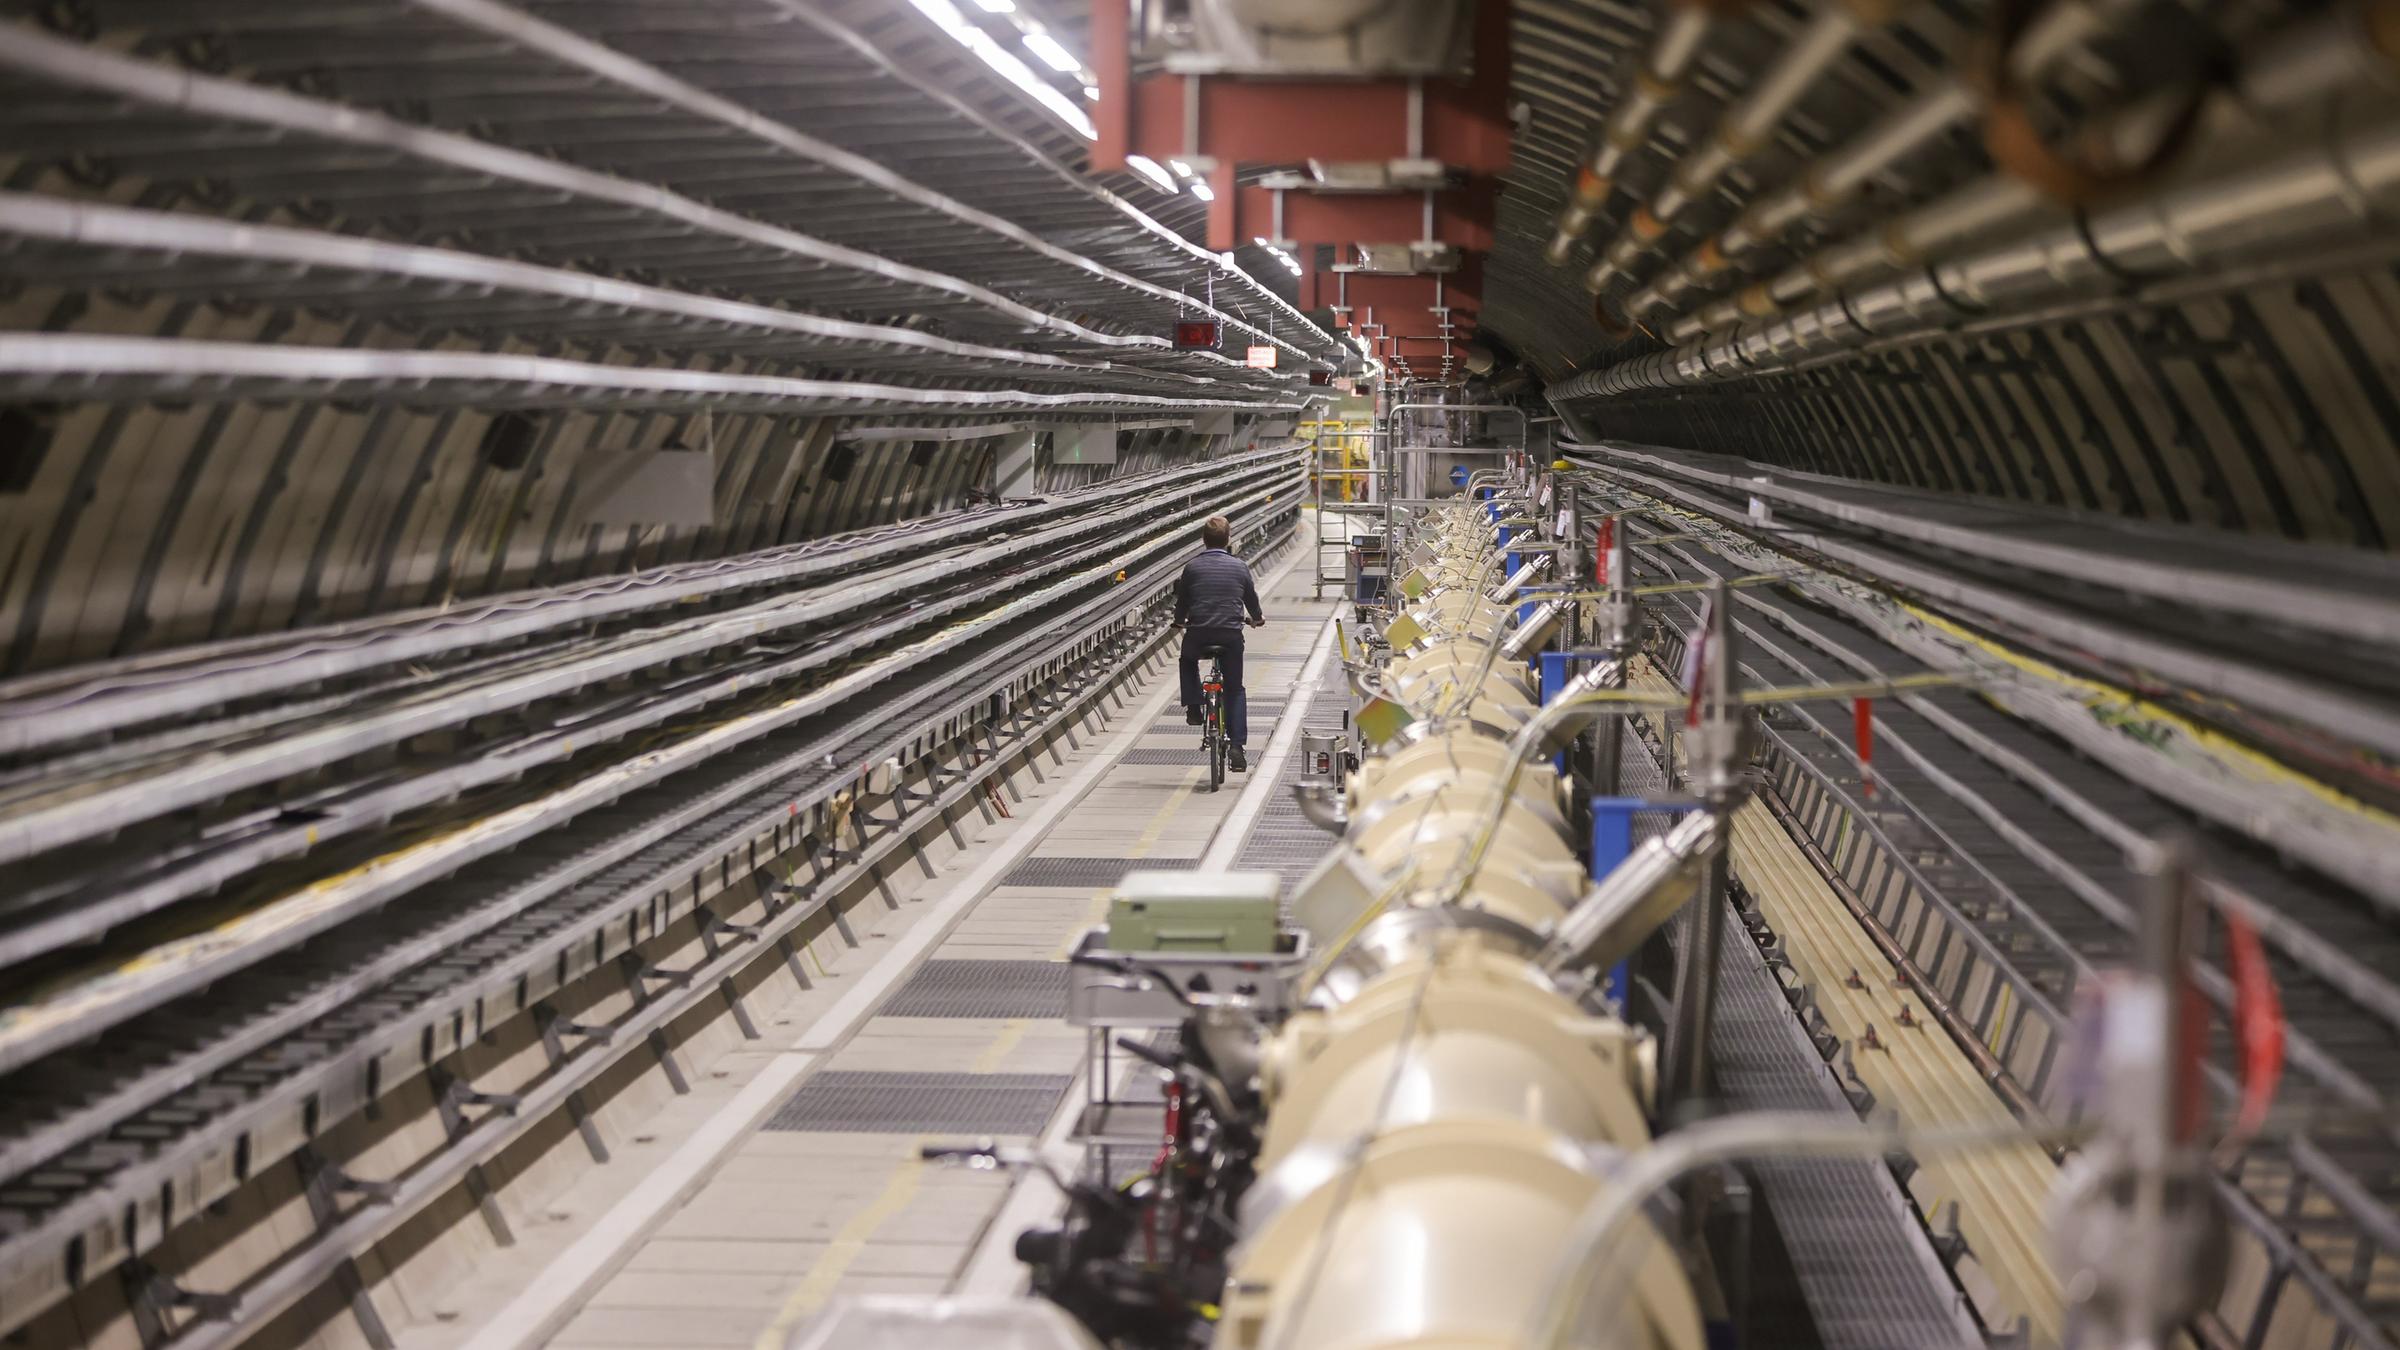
<point x="1403" y="633"/>
<point x="1382" y="719"/>
<point x="1415" y="584"/>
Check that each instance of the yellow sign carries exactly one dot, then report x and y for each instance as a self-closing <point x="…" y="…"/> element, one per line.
<point x="1382" y="719"/>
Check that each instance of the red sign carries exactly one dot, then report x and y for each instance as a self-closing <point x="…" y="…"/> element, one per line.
<point x="1320" y="377"/>
<point x="1198" y="335"/>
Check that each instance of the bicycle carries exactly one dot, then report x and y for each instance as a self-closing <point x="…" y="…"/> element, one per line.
<point x="1216" y="741"/>
<point x="1213" y="739"/>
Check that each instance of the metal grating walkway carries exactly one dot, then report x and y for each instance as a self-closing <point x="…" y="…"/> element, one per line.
<point x="1281" y="840"/>
<point x="873" y="1102"/>
<point x="982" y="988"/>
<point x="1087" y="872"/>
<point x="1186" y="755"/>
<point x="1863" y="1274"/>
<point x="1855" y="1269"/>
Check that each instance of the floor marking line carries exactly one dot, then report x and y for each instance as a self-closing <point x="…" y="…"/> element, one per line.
<point x="1094" y="911"/>
<point x="848" y="1244"/>
<point x="1010" y="1035"/>
<point x="1165" y="815"/>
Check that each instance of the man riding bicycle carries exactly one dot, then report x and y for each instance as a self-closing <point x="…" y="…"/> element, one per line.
<point x="1212" y="599"/>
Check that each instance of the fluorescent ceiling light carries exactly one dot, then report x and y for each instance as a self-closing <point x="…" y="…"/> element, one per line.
<point x="998" y="6"/>
<point x="1092" y="92"/>
<point x="1203" y="191"/>
<point x="1056" y="57"/>
<point x="1290" y="263"/>
<point x="969" y="35"/>
<point x="1180" y="167"/>
<point x="1148" y="168"/>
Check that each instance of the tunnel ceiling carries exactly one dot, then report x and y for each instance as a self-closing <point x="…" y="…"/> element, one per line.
<point x="341" y="312"/>
<point x="2132" y="258"/>
<point x="323" y="310"/>
<point x="1847" y="280"/>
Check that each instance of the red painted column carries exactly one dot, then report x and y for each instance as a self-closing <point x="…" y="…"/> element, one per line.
<point x="1112" y="64"/>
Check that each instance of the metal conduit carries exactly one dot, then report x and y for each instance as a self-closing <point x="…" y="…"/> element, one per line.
<point x="154" y="85"/>
<point x="601" y="62"/>
<point x="1670" y="59"/>
<point x="32" y="218"/>
<point x="1835" y="178"/>
<point x="2326" y="195"/>
<point x="2311" y="61"/>
<point x="105" y="365"/>
<point x="1745" y="129"/>
<point x="2347" y="186"/>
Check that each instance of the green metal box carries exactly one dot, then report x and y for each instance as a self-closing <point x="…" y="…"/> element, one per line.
<point x="1195" y="912"/>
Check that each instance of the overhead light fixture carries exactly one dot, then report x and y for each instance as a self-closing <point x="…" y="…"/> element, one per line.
<point x="1180" y="167"/>
<point x="1203" y="191"/>
<point x="971" y="36"/>
<point x="1053" y="55"/>
<point x="998" y="6"/>
<point x="1092" y="92"/>
<point x="1148" y="168"/>
<point x="1290" y="263"/>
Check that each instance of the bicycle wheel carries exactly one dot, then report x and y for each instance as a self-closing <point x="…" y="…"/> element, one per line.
<point x="1216" y="746"/>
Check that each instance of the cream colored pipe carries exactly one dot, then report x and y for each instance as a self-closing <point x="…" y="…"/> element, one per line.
<point x="1492" y="1040"/>
<point x="1434" y="1128"/>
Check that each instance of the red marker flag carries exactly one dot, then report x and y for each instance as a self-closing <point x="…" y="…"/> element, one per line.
<point x="1862" y="717"/>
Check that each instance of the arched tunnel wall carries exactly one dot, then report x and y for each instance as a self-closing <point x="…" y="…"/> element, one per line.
<point x="132" y="528"/>
<point x="133" y="524"/>
<point x="2272" y="409"/>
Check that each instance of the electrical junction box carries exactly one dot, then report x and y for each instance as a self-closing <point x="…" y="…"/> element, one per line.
<point x="1085" y="443"/>
<point x="1195" y="912"/>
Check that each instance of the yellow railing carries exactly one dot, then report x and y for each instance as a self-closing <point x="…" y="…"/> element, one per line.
<point x="1352" y="443"/>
